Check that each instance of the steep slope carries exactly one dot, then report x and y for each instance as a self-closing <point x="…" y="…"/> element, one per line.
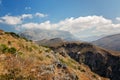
<point x="21" y="59"/>
<point x="103" y="62"/>
<point x="40" y="34"/>
<point x="50" y="42"/>
<point x="111" y="42"/>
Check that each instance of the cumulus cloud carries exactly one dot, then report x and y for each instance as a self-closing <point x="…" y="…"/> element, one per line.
<point x="11" y="20"/>
<point x="40" y="14"/>
<point x="118" y="18"/>
<point x="14" y="20"/>
<point x="80" y="26"/>
<point x="26" y="16"/>
<point x="77" y="25"/>
<point x="45" y="25"/>
<point x="89" y="25"/>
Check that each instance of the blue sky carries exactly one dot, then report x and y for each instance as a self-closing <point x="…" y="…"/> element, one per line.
<point x="60" y="9"/>
<point x="84" y="16"/>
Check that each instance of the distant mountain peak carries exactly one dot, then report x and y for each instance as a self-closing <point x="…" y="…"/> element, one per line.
<point x="40" y="34"/>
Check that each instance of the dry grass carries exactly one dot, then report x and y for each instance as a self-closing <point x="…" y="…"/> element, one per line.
<point x="33" y="62"/>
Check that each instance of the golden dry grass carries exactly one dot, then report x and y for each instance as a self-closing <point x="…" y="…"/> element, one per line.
<point x="30" y="62"/>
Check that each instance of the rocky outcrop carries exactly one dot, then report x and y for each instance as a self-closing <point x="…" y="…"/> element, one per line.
<point x="103" y="62"/>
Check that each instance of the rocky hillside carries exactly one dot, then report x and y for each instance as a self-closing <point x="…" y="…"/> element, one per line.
<point x="103" y="62"/>
<point x="50" y="42"/>
<point x="21" y="59"/>
<point x="111" y="42"/>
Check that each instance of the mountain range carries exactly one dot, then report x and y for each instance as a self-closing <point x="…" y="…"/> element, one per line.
<point x="101" y="61"/>
<point x="111" y="42"/>
<point x="40" y="34"/>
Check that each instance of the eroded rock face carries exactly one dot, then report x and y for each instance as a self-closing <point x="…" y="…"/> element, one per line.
<point x="100" y="61"/>
<point x="106" y="66"/>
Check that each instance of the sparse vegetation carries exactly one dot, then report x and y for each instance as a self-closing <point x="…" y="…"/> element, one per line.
<point x="9" y="43"/>
<point x="20" y="53"/>
<point x="13" y="34"/>
<point x="34" y="47"/>
<point x="29" y="48"/>
<point x="82" y="70"/>
<point x="47" y="50"/>
<point x="41" y="58"/>
<point x="14" y="74"/>
<point x="12" y="50"/>
<point x="3" y="48"/>
<point x="6" y="49"/>
<point x="48" y="56"/>
<point x="68" y="63"/>
<point x="33" y="62"/>
<point x="94" y="76"/>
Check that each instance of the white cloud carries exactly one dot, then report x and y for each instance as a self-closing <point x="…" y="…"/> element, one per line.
<point x="118" y="18"/>
<point x="89" y="25"/>
<point x="77" y="25"/>
<point x="81" y="26"/>
<point x="45" y="25"/>
<point x="26" y="16"/>
<point x="14" y="20"/>
<point x="40" y="15"/>
<point x="11" y="20"/>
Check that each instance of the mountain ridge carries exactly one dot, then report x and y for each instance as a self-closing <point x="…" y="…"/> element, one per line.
<point x="101" y="61"/>
<point x="40" y="34"/>
<point x="110" y="42"/>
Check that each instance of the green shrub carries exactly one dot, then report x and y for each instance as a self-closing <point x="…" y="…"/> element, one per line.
<point x="3" y="48"/>
<point x="12" y="50"/>
<point x="20" y="53"/>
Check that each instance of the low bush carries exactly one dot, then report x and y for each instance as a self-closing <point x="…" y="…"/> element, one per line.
<point x="4" y="48"/>
<point x="12" y="50"/>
